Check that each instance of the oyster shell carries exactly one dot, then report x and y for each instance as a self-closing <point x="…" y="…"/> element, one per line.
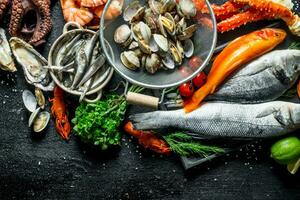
<point x="32" y="63"/>
<point x="6" y="61"/>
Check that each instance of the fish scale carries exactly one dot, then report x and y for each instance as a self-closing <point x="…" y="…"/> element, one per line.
<point x="217" y="119"/>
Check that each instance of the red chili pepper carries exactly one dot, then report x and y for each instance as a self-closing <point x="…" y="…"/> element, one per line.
<point x="186" y="90"/>
<point x="199" y="80"/>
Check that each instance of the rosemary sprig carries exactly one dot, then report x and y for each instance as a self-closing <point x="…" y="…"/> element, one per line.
<point x="184" y="145"/>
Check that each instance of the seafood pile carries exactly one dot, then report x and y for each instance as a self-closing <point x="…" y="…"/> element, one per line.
<point x="235" y="13"/>
<point x="88" y="12"/>
<point x="38" y="119"/>
<point x="77" y="62"/>
<point x="158" y="35"/>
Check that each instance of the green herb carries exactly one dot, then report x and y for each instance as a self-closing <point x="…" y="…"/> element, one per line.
<point x="295" y="45"/>
<point x="184" y="145"/>
<point x="98" y="123"/>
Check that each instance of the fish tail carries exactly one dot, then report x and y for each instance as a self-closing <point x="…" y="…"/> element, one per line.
<point x="195" y="102"/>
<point x="147" y="121"/>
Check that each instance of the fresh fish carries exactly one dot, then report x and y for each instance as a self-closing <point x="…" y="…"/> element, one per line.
<point x="6" y="60"/>
<point x="237" y="53"/>
<point x="93" y="69"/>
<point x="66" y="49"/>
<point x="264" y="79"/>
<point x="218" y="119"/>
<point x="81" y="63"/>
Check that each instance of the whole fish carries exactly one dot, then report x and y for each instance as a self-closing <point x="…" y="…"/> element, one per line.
<point x="218" y="119"/>
<point x="264" y="79"/>
<point x="236" y="53"/>
<point x="81" y="62"/>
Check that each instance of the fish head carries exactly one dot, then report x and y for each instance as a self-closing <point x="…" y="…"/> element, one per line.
<point x="287" y="66"/>
<point x="273" y="34"/>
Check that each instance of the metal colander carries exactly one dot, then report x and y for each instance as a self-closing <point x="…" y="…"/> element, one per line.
<point x="204" y="41"/>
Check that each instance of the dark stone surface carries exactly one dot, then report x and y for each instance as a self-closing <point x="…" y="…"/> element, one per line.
<point x="46" y="167"/>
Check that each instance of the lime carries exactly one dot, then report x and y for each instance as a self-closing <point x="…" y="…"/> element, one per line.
<point x="286" y="151"/>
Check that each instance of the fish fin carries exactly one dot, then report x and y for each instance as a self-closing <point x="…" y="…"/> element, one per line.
<point x="283" y="116"/>
<point x="266" y="112"/>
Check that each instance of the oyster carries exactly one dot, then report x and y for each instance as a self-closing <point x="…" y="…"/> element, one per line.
<point x="6" y="61"/>
<point x="32" y="63"/>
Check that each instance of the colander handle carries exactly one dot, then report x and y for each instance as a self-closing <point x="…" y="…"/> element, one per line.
<point x="71" y="24"/>
<point x="142" y="100"/>
<point x="98" y="97"/>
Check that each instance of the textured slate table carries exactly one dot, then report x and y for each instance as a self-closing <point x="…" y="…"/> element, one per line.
<point x="46" y="167"/>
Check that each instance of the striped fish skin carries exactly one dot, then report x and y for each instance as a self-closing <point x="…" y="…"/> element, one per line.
<point x="264" y="79"/>
<point x="219" y="119"/>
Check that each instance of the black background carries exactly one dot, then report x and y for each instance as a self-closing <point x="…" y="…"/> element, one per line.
<point x="46" y="167"/>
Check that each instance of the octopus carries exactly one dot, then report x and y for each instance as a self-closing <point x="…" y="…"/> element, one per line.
<point x="30" y="19"/>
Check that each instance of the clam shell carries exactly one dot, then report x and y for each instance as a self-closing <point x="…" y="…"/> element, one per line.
<point x="41" y="121"/>
<point x="161" y="42"/>
<point x="40" y="97"/>
<point x="130" y="60"/>
<point x="6" y="61"/>
<point x="29" y="100"/>
<point x="188" y="48"/>
<point x="123" y="35"/>
<point x="130" y="10"/>
<point x="33" y="116"/>
<point x="168" y="62"/>
<point x="32" y="63"/>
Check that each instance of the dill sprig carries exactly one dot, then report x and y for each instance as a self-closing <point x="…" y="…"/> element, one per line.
<point x="295" y="45"/>
<point x="184" y="145"/>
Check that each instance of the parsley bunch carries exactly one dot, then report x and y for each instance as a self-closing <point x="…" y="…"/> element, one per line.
<point x="98" y="123"/>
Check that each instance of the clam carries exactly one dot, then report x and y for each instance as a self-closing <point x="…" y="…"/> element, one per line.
<point x="166" y="23"/>
<point x="188" y="32"/>
<point x="144" y="46"/>
<point x="130" y="60"/>
<point x="161" y="42"/>
<point x="181" y="25"/>
<point x="6" y="61"/>
<point x="32" y="63"/>
<point x="133" y="45"/>
<point x="40" y="97"/>
<point x="131" y="10"/>
<point x="29" y="100"/>
<point x="153" y="45"/>
<point x="175" y="53"/>
<point x="152" y="63"/>
<point x="188" y="48"/>
<point x="167" y="6"/>
<point x="141" y="31"/>
<point x="138" y="15"/>
<point x="186" y="8"/>
<point x="155" y="6"/>
<point x="33" y="116"/>
<point x="150" y="19"/>
<point x="41" y="121"/>
<point x="168" y="62"/>
<point x="179" y="47"/>
<point x="123" y="35"/>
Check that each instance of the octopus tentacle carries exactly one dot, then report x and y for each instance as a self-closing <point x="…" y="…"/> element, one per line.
<point x="3" y="5"/>
<point x="42" y="29"/>
<point x="16" y="17"/>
